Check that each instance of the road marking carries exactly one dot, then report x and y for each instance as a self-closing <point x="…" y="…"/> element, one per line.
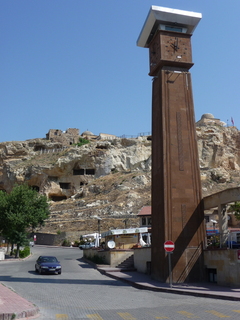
<point x="157" y="317"/>
<point x="237" y="311"/>
<point x="218" y="314"/>
<point x="61" y="316"/>
<point x="188" y="314"/>
<point x="126" y="316"/>
<point x="95" y="316"/>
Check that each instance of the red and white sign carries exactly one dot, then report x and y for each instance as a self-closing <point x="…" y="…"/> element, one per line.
<point x="169" y="246"/>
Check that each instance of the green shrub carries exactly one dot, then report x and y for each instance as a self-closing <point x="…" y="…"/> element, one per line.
<point x="82" y="141"/>
<point x="76" y="243"/>
<point x="25" y="252"/>
<point x="66" y="243"/>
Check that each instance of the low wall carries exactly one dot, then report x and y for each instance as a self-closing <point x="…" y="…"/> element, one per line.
<point x="223" y="266"/>
<point x="2" y="254"/>
<point x="110" y="257"/>
<point x="49" y="239"/>
<point x="142" y="259"/>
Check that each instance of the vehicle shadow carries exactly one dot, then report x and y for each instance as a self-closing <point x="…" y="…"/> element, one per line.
<point x="32" y="272"/>
<point x="45" y="274"/>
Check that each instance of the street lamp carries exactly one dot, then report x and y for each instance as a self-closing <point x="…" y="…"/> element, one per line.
<point x="125" y="221"/>
<point x="99" y="221"/>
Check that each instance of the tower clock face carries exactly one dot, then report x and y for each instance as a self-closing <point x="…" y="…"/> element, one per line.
<point x="177" y="48"/>
<point x="170" y="49"/>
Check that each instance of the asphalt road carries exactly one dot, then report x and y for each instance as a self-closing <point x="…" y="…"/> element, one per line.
<point x="81" y="292"/>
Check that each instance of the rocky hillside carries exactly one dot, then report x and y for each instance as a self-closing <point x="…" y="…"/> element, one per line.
<point x="109" y="179"/>
<point x="219" y="157"/>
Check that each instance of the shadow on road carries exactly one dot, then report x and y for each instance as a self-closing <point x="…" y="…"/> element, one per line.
<point x="58" y="279"/>
<point x="54" y="278"/>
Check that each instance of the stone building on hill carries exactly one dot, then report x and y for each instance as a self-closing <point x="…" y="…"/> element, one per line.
<point x="72" y="135"/>
<point x="208" y="119"/>
<point x="68" y="137"/>
<point x="88" y="135"/>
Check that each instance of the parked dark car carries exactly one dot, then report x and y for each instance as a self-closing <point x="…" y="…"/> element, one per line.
<point x="48" y="264"/>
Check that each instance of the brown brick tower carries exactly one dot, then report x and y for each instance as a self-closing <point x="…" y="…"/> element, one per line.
<point x="177" y="208"/>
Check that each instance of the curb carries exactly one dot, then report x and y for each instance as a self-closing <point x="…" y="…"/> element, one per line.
<point x="16" y="259"/>
<point x="137" y="285"/>
<point x="19" y="315"/>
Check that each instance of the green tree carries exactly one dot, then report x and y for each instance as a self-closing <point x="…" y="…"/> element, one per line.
<point x="235" y="208"/>
<point x="3" y="208"/>
<point x="20" y="210"/>
<point x="82" y="141"/>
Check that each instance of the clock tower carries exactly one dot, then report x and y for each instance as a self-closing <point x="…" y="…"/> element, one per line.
<point x="177" y="206"/>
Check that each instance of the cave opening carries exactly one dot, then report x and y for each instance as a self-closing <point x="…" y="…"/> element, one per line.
<point x="57" y="198"/>
<point x="65" y="185"/>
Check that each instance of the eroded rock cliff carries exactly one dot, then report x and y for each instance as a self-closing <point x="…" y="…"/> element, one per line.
<point x="109" y="179"/>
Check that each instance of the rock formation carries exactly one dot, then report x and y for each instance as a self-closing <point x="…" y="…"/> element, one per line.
<point x="110" y="179"/>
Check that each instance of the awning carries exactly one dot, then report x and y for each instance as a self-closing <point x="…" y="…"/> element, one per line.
<point x="124" y="231"/>
<point x="212" y="231"/>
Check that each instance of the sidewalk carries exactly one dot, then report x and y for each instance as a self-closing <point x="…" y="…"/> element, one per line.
<point x="144" y="281"/>
<point x="12" y="306"/>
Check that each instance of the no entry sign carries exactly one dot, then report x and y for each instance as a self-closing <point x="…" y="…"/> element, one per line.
<point x="169" y="246"/>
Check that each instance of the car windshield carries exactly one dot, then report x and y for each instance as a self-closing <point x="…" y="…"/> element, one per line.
<point x="49" y="259"/>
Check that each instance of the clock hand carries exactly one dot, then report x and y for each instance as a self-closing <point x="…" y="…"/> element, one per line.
<point x="175" y="45"/>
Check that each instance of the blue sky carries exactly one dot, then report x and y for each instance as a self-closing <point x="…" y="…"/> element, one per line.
<point x="75" y="64"/>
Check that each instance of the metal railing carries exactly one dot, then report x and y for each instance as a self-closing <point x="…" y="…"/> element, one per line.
<point x="222" y="241"/>
<point x="141" y="134"/>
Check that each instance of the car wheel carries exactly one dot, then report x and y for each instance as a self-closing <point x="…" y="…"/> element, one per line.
<point x="40" y="271"/>
<point x="36" y="270"/>
<point x="59" y="272"/>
